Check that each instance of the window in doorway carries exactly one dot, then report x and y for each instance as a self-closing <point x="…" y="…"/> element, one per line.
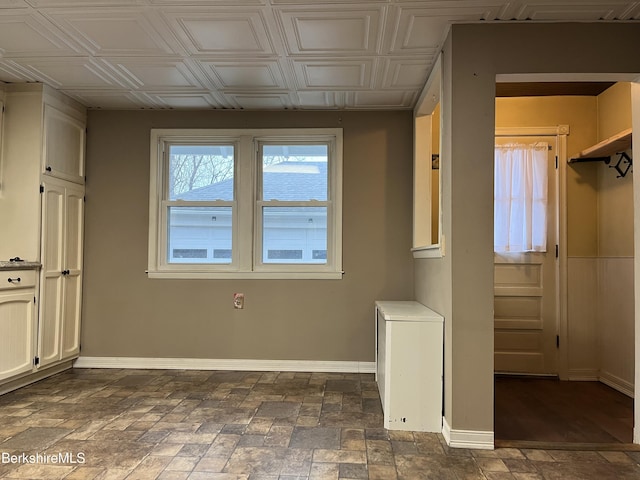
<point x="520" y="198"/>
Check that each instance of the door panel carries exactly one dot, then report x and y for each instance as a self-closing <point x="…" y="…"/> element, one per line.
<point x="71" y="318"/>
<point x="16" y="333"/>
<point x="72" y="301"/>
<point x="51" y="275"/>
<point x="525" y="312"/>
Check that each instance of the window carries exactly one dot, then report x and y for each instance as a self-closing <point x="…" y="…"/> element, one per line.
<point x="245" y="203"/>
<point x="520" y="198"/>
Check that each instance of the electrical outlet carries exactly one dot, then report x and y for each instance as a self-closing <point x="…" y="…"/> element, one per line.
<point x="238" y="300"/>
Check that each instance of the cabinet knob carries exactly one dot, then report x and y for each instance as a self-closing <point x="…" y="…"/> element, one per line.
<point x="14" y="280"/>
<point x="65" y="272"/>
<point x="48" y="168"/>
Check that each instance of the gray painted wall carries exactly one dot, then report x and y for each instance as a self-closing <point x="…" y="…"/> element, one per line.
<point x="126" y="314"/>
<point x="460" y="285"/>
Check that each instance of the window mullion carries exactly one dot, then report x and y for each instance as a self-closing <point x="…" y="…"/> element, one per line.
<point x="243" y="220"/>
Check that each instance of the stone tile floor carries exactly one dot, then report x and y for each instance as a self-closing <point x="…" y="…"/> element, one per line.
<point x="152" y="424"/>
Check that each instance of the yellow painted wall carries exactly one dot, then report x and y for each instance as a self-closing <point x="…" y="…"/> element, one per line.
<point x="615" y="195"/>
<point x="580" y="113"/>
<point x="614" y="110"/>
<point x="615" y="247"/>
<point x="435" y="177"/>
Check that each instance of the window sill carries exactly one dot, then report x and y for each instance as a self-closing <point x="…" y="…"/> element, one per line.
<point x="430" y="251"/>
<point x="178" y="275"/>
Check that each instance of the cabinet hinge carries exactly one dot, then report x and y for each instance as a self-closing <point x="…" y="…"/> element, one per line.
<point x="41" y="188"/>
<point x="557" y="341"/>
<point x="36" y="361"/>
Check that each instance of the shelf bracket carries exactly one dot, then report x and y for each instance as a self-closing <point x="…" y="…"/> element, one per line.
<point x="623" y="165"/>
<point x="606" y="160"/>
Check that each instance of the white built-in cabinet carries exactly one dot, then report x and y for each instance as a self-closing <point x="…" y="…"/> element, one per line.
<point x="61" y="274"/>
<point x="17" y="322"/>
<point x="63" y="145"/>
<point x="42" y="210"/>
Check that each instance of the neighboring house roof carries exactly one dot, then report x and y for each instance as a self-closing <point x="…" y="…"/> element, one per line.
<point x="287" y="181"/>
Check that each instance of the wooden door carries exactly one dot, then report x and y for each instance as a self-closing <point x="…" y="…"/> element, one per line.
<point x="525" y="294"/>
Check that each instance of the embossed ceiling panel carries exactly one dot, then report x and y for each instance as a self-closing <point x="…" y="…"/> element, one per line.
<point x="122" y="100"/>
<point x="321" y="100"/>
<point x="574" y="10"/>
<point x="330" y="74"/>
<point x="420" y="29"/>
<point x="28" y="35"/>
<point x="261" y="102"/>
<point x="190" y="100"/>
<point x="95" y="32"/>
<point x="10" y="72"/>
<point x="222" y="31"/>
<point x="251" y="54"/>
<point x="84" y="73"/>
<point x="331" y="31"/>
<point x="155" y="74"/>
<point x="246" y="75"/>
<point x="404" y="73"/>
<point x="375" y="100"/>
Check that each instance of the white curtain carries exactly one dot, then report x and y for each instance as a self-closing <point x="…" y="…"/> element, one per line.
<point x="520" y="198"/>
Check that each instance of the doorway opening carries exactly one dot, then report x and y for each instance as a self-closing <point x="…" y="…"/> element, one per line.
<point x="564" y="318"/>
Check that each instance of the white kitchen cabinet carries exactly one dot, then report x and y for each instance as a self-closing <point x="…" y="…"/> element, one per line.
<point x="43" y="129"/>
<point x="17" y="322"/>
<point x="409" y="348"/>
<point x="42" y="206"/>
<point x="63" y="141"/>
<point x="61" y="274"/>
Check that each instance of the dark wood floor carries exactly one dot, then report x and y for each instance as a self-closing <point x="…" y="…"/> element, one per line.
<point x="549" y="410"/>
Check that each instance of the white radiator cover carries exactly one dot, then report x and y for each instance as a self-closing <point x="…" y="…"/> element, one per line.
<point x="409" y="348"/>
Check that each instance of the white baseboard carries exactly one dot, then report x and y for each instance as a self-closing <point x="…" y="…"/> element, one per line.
<point x="584" y="375"/>
<point x="617" y="383"/>
<point x="605" y="377"/>
<point x="467" y="438"/>
<point x="226" y="364"/>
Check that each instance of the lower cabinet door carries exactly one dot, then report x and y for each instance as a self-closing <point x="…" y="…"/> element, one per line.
<point x="16" y="333"/>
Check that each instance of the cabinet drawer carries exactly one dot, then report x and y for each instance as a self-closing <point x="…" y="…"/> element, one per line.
<point x="14" y="279"/>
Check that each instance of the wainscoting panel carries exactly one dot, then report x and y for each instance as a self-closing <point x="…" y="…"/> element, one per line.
<point x="582" y="319"/>
<point x="616" y="322"/>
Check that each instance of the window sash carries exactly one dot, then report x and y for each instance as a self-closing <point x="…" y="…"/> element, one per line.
<point x="262" y="264"/>
<point x="165" y="238"/>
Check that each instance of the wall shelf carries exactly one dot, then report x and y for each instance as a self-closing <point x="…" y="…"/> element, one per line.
<point x="602" y="151"/>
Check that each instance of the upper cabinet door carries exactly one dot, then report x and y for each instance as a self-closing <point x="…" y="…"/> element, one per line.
<point x="64" y="139"/>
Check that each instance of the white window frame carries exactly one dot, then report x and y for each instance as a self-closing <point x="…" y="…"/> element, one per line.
<point x="247" y="219"/>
